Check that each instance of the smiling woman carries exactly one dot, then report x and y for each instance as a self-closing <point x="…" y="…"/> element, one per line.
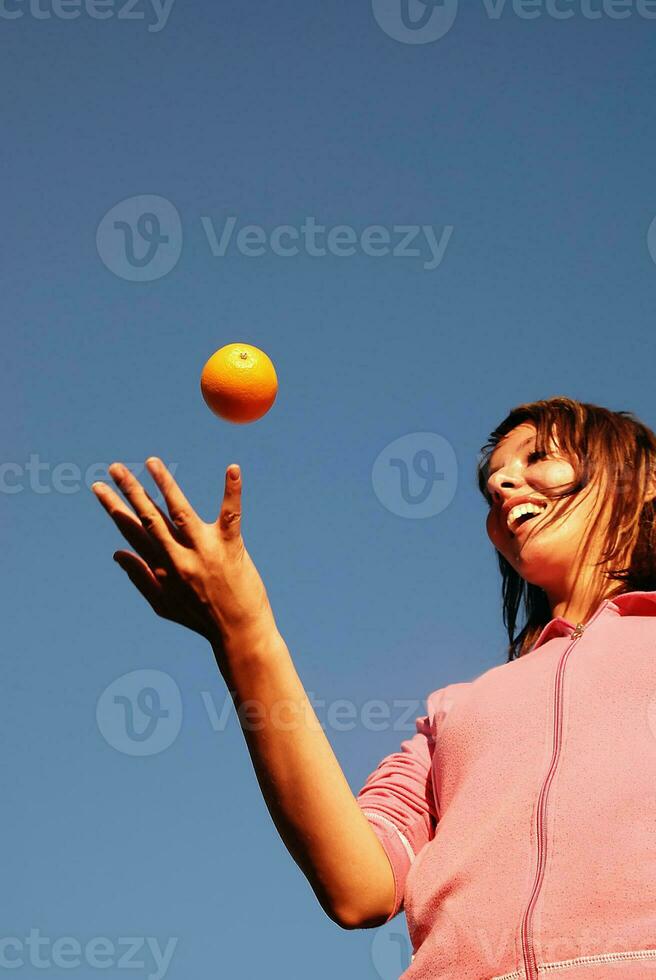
<point x="571" y="489"/>
<point x="566" y="483"/>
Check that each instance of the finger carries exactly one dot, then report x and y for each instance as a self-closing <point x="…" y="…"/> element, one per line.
<point x="152" y="518"/>
<point x="142" y="577"/>
<point x="182" y="514"/>
<point x="127" y="523"/>
<point x="229" y="519"/>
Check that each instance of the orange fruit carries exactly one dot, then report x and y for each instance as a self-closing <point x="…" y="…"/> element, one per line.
<point x="239" y="383"/>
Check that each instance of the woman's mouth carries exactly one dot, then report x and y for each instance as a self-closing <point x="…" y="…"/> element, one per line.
<point x="518" y="526"/>
<point x="522" y="515"/>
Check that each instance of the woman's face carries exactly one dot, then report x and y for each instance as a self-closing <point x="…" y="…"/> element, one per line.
<point x="549" y="557"/>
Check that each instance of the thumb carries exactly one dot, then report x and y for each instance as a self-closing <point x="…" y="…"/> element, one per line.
<point x="141" y="575"/>
<point x="229" y="520"/>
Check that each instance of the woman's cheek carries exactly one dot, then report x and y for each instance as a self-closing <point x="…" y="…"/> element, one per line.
<point x="557" y="474"/>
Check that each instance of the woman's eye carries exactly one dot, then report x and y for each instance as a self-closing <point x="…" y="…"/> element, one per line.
<point x="535" y="456"/>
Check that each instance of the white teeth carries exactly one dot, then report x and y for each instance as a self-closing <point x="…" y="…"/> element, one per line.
<point x="520" y="509"/>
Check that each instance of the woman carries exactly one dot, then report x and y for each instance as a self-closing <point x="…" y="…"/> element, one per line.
<point x="517" y="827"/>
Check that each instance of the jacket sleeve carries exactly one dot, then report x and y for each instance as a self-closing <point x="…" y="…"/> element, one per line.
<point x="398" y="801"/>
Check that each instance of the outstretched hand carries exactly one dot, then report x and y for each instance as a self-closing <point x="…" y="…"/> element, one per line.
<point x="193" y="573"/>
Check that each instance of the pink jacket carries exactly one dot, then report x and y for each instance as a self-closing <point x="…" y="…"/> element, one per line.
<point x="520" y="819"/>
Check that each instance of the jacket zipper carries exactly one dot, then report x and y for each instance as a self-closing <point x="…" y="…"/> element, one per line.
<point x="528" y="948"/>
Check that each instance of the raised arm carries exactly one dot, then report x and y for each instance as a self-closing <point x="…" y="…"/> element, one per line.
<point x="201" y="576"/>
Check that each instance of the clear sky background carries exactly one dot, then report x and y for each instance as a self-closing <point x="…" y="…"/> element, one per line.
<point x="533" y="140"/>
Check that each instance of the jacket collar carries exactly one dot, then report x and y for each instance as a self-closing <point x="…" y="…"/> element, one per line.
<point x="626" y="604"/>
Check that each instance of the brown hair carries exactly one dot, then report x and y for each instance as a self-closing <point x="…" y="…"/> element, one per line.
<point x="617" y="453"/>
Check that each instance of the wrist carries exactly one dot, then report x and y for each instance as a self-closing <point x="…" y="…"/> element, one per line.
<point x="251" y="642"/>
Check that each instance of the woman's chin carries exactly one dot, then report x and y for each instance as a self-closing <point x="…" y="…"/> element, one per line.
<point x="534" y="562"/>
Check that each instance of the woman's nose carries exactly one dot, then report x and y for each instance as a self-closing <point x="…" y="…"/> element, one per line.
<point x="500" y="482"/>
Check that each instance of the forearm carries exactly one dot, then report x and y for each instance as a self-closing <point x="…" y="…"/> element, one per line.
<point x="305" y="790"/>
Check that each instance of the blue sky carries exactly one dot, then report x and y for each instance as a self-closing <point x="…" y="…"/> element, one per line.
<point x="526" y="147"/>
